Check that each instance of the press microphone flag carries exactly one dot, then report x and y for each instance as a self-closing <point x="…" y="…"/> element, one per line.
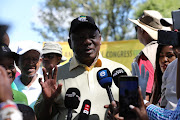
<point x="85" y="110"/>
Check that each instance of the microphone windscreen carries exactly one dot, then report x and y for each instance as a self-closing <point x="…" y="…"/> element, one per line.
<point x="85" y="110"/>
<point x="86" y="107"/>
<point x="72" y="98"/>
<point x="104" y="77"/>
<point x="116" y="73"/>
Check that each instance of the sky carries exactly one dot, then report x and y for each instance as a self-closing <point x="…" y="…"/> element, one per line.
<point x="19" y="14"/>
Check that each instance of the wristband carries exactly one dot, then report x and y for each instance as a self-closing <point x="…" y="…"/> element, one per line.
<point x="145" y="101"/>
<point x="7" y="104"/>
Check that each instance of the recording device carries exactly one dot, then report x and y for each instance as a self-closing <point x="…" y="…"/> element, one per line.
<point x="105" y="80"/>
<point x="169" y="38"/>
<point x="72" y="100"/>
<point x="116" y="73"/>
<point x="128" y="95"/>
<point x="176" y="19"/>
<point x="85" y="110"/>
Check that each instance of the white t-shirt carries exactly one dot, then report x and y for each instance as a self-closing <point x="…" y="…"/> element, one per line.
<point x="32" y="93"/>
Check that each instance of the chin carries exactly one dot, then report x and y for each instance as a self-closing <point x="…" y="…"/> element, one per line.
<point x="31" y="75"/>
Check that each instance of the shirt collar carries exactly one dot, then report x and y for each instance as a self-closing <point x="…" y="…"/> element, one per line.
<point x="75" y="63"/>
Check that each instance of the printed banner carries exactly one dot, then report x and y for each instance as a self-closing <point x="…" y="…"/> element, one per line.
<point x="120" y="51"/>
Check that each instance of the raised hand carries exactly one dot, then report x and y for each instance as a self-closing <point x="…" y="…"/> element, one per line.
<point x="50" y="89"/>
<point x="5" y="86"/>
<point x="143" y="78"/>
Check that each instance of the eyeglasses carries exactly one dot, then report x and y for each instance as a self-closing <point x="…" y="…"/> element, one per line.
<point x="49" y="56"/>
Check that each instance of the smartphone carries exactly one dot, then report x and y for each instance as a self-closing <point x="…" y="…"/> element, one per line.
<point x="128" y="95"/>
<point x="169" y="38"/>
<point x="176" y="19"/>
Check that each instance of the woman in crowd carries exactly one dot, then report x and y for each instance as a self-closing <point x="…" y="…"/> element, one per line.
<point x="164" y="56"/>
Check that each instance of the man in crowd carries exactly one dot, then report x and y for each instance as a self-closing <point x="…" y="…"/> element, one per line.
<point x="52" y="54"/>
<point x="147" y="27"/>
<point x="29" y="63"/>
<point x="80" y="72"/>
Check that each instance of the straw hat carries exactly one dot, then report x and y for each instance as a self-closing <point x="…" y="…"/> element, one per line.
<point x="150" y="22"/>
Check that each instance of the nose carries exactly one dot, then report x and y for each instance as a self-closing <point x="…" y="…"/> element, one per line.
<point x="165" y="59"/>
<point x="87" y="41"/>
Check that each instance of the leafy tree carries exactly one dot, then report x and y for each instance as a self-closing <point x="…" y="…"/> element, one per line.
<point x="110" y="15"/>
<point x="163" y="6"/>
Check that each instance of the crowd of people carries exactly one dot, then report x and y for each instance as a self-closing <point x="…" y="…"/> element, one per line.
<point x="34" y="84"/>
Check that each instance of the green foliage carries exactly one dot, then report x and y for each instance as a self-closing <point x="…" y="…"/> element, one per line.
<point x="110" y="15"/>
<point x="163" y="6"/>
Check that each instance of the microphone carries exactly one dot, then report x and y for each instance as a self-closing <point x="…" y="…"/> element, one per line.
<point x="85" y="110"/>
<point x="105" y="80"/>
<point x="72" y="100"/>
<point x="116" y="74"/>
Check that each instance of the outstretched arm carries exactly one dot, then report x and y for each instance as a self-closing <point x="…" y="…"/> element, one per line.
<point x="50" y="90"/>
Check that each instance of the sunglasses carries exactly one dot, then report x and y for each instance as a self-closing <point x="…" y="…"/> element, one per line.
<point x="49" y="56"/>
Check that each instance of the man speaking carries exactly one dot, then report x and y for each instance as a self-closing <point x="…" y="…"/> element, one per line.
<point x="80" y="72"/>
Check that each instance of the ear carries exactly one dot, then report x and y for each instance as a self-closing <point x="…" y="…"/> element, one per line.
<point x="69" y="41"/>
<point x="100" y="38"/>
<point x="40" y="60"/>
<point x="59" y="59"/>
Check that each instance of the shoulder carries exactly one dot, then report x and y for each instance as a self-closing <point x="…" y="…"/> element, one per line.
<point x="17" y="80"/>
<point x="64" y="67"/>
<point x="19" y="97"/>
<point x="111" y="65"/>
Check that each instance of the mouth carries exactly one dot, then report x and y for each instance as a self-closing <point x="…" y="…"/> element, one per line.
<point x="31" y="69"/>
<point x="164" y="66"/>
<point x="88" y="50"/>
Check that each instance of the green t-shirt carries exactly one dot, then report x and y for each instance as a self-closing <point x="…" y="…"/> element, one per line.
<point x="19" y="97"/>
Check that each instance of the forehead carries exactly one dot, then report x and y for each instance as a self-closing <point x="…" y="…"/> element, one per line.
<point x="32" y="53"/>
<point x="6" y="59"/>
<point x="166" y="49"/>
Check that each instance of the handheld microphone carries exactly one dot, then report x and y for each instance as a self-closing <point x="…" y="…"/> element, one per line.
<point x="116" y="74"/>
<point x="85" y="110"/>
<point x="72" y="100"/>
<point x="105" y="80"/>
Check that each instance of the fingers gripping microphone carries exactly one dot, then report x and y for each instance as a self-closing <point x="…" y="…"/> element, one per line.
<point x="116" y="74"/>
<point x="85" y="110"/>
<point x="72" y="100"/>
<point x="105" y="80"/>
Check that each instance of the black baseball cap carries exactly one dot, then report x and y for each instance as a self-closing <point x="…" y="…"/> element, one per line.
<point x="5" y="51"/>
<point x="82" y="20"/>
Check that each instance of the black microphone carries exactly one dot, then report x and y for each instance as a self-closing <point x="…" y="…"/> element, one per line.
<point x="116" y="74"/>
<point x="72" y="100"/>
<point x="105" y="80"/>
<point x="85" y="110"/>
